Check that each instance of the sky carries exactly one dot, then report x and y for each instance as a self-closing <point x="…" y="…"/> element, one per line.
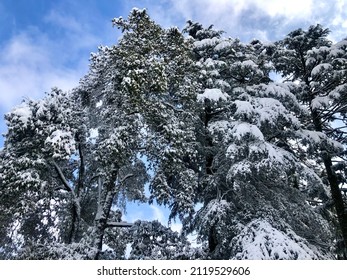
<point x="47" y="43"/>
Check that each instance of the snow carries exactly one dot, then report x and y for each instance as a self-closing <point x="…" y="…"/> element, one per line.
<point x="206" y="43"/>
<point x="244" y="108"/>
<point x="248" y="66"/>
<point x="127" y="80"/>
<point x="312" y="136"/>
<point x="137" y="10"/>
<point x="337" y="49"/>
<point x="23" y="113"/>
<point x="128" y="250"/>
<point x="274" y="154"/>
<point x="271" y="109"/>
<point x="212" y="64"/>
<point x="219" y="127"/>
<point x="216" y="206"/>
<point x="320" y="101"/>
<point x="317" y="137"/>
<point x="310" y="61"/>
<point x="249" y="63"/>
<point x="321" y="67"/>
<point x="222" y="84"/>
<point x="243" y="168"/>
<point x="93" y="135"/>
<point x="213" y="94"/>
<point x="278" y="90"/>
<point x="261" y="241"/>
<point x="242" y="129"/>
<point x="62" y="142"/>
<point x="99" y="104"/>
<point x="318" y="51"/>
<point x="336" y="92"/>
<point x="223" y="45"/>
<point x="232" y="151"/>
<point x="41" y="108"/>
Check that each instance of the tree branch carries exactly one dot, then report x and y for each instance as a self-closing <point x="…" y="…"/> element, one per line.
<point x="119" y="224"/>
<point x="62" y="178"/>
<point x="81" y="170"/>
<point x="126" y="177"/>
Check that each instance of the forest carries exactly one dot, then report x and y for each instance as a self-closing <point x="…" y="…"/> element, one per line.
<point x="245" y="143"/>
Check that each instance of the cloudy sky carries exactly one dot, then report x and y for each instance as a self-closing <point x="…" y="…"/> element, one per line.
<point x="46" y="43"/>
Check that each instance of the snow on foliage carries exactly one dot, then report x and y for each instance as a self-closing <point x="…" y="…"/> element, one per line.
<point x="224" y="44"/>
<point x="320" y="102"/>
<point x="213" y="94"/>
<point x="319" y="139"/>
<point x="22" y="113"/>
<point x="260" y="241"/>
<point x="321" y="67"/>
<point x="243" y="130"/>
<point x="214" y="130"/>
<point x="152" y="240"/>
<point x="62" y="143"/>
<point x="244" y="108"/>
<point x="209" y="42"/>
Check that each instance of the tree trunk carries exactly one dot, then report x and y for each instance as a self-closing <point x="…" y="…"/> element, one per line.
<point x="336" y="193"/>
<point x="76" y="218"/>
<point x="102" y="216"/>
<point x="76" y="207"/>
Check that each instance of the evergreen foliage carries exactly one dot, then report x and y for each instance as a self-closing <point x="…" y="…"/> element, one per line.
<point x="255" y="167"/>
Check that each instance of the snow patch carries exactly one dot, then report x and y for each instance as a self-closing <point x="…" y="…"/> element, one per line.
<point x="213" y="94"/>
<point x="22" y="113"/>
<point x="321" y="67"/>
<point x="320" y="101"/>
<point x="62" y="142"/>
<point x="244" y="108"/>
<point x="242" y="129"/>
<point x="259" y="240"/>
<point x="206" y="43"/>
<point x="93" y="135"/>
<point x="223" y="45"/>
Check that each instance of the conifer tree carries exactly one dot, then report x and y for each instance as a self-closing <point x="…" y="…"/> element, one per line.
<point x="319" y="69"/>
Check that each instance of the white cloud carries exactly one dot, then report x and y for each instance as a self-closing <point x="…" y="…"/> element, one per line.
<point x="76" y="33"/>
<point x="29" y="67"/>
<point x="247" y="19"/>
<point x="36" y="59"/>
<point x="294" y="9"/>
<point x="67" y="22"/>
<point x="339" y="20"/>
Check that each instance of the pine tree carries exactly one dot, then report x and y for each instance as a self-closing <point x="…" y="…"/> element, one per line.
<point x="40" y="141"/>
<point x="319" y="68"/>
<point x="250" y="173"/>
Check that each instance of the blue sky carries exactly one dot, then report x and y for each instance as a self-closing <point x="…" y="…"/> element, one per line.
<point x="47" y="43"/>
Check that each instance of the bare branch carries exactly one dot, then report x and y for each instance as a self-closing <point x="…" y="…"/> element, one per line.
<point x="126" y="177"/>
<point x="119" y="224"/>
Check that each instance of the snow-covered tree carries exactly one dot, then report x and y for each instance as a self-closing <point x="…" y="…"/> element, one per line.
<point x="250" y="172"/>
<point x="58" y="181"/>
<point x="40" y="142"/>
<point x="159" y="78"/>
<point x="152" y="240"/>
<point x="240" y="159"/>
<point x="318" y="67"/>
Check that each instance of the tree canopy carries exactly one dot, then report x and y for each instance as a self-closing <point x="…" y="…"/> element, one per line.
<point x="255" y="166"/>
